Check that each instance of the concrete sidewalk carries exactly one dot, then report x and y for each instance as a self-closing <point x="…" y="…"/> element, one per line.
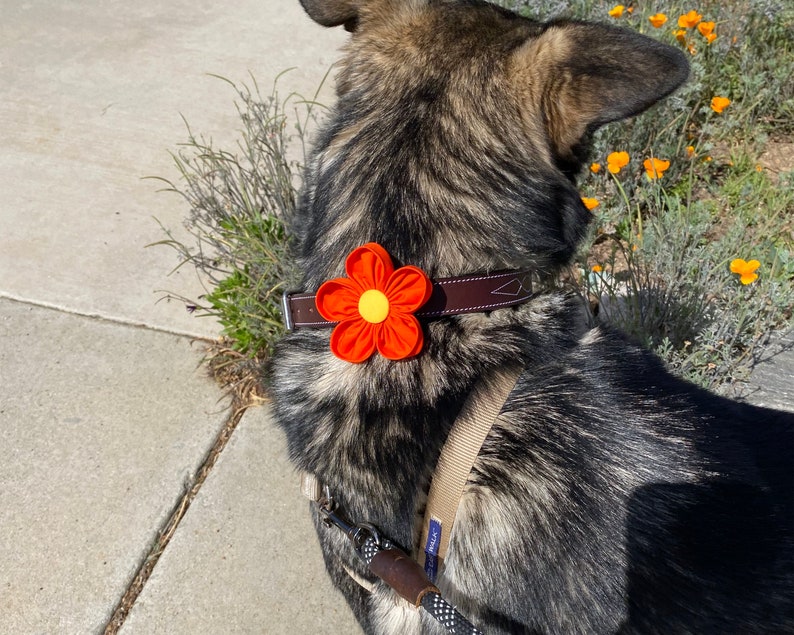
<point x="105" y="413"/>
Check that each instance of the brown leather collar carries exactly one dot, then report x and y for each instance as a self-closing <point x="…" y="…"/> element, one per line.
<point x="451" y="296"/>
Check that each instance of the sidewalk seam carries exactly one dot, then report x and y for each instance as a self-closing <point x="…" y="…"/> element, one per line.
<point x="138" y="581"/>
<point x="102" y="318"/>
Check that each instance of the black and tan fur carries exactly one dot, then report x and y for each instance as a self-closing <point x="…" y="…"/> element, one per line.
<point x="610" y="497"/>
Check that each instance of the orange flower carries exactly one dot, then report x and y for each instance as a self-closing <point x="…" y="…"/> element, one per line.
<point x="718" y="104"/>
<point x="689" y="20"/>
<point x="590" y="203"/>
<point x="374" y="306"/>
<point x="597" y="268"/>
<point x="680" y="35"/>
<point x="745" y="270"/>
<point x="706" y="28"/>
<point x="595" y="168"/>
<point x="616" y="161"/>
<point x="690" y="152"/>
<point x="616" y="11"/>
<point x="655" y="168"/>
<point x="711" y="37"/>
<point x="657" y="20"/>
<point x="630" y="10"/>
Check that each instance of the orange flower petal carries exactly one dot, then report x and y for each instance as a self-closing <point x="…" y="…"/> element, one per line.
<point x="746" y="270"/>
<point x="718" y="104"/>
<point x="590" y="203"/>
<point x="337" y="299"/>
<point x="369" y="266"/>
<point x="616" y="161"/>
<point x="616" y="11"/>
<point x="706" y="28"/>
<point x="689" y="20"/>
<point x="658" y="20"/>
<point x="408" y="289"/>
<point x="353" y="340"/>
<point x="654" y="167"/>
<point x="595" y="168"/>
<point x="399" y="337"/>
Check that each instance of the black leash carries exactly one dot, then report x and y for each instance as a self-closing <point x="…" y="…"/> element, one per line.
<point x="396" y="569"/>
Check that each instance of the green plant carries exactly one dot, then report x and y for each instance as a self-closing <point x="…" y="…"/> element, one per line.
<point x="663" y="245"/>
<point x="240" y="205"/>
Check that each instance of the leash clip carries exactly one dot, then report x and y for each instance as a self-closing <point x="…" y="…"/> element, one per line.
<point x="357" y="534"/>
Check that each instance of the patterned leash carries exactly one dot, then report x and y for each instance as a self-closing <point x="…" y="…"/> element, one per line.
<point x="398" y="570"/>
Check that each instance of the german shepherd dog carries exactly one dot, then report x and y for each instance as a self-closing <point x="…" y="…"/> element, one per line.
<point x="609" y="496"/>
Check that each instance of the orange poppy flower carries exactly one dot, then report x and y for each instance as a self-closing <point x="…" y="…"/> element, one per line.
<point x="595" y="168"/>
<point x="657" y="20"/>
<point x="711" y="37"/>
<point x="374" y="306"/>
<point x="718" y="104"/>
<point x="689" y="20"/>
<point x="706" y="28"/>
<point x="590" y="203"/>
<point x="655" y="168"/>
<point x="616" y="11"/>
<point x="616" y="161"/>
<point x="690" y="152"/>
<point x="745" y="270"/>
<point x="680" y="35"/>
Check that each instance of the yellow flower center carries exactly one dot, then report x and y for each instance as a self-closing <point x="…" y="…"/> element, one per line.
<point x="373" y="305"/>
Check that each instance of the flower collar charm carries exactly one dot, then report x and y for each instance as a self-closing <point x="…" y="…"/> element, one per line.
<point x="374" y="306"/>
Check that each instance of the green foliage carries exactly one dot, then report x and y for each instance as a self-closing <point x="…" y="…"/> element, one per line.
<point x="665" y="245"/>
<point x="240" y="205"/>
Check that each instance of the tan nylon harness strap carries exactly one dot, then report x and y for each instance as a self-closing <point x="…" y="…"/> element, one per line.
<point x="455" y="463"/>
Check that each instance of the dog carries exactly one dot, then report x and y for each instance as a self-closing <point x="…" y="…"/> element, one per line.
<point x="609" y="495"/>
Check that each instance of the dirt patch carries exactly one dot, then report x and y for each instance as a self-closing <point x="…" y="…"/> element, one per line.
<point x="778" y="158"/>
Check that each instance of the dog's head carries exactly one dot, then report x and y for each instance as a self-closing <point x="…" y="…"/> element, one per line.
<point x="461" y="127"/>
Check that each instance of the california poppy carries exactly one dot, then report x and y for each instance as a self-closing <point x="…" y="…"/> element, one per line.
<point x="654" y="167"/>
<point x="705" y="28"/>
<point x="745" y="270"/>
<point x="374" y="306"/>
<point x="689" y="20"/>
<point x="657" y="20"/>
<point x="616" y="161"/>
<point x="616" y="11"/>
<point x="590" y="203"/>
<point x="718" y="104"/>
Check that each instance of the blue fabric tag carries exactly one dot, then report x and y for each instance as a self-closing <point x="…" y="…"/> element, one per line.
<point x="431" y="549"/>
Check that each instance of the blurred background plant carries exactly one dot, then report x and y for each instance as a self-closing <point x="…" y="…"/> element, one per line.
<point x="658" y="264"/>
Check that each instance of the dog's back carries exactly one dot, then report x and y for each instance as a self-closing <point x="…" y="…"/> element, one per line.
<point x="609" y="496"/>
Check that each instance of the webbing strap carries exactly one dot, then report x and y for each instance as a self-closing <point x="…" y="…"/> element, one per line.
<point x="455" y="463"/>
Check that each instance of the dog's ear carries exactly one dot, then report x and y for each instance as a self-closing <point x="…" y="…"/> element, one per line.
<point x="579" y="76"/>
<point x="333" y="12"/>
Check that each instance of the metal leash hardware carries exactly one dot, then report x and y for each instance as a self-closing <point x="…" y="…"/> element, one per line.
<point x="395" y="568"/>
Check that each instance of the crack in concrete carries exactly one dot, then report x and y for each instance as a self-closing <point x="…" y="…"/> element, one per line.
<point x="167" y="530"/>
